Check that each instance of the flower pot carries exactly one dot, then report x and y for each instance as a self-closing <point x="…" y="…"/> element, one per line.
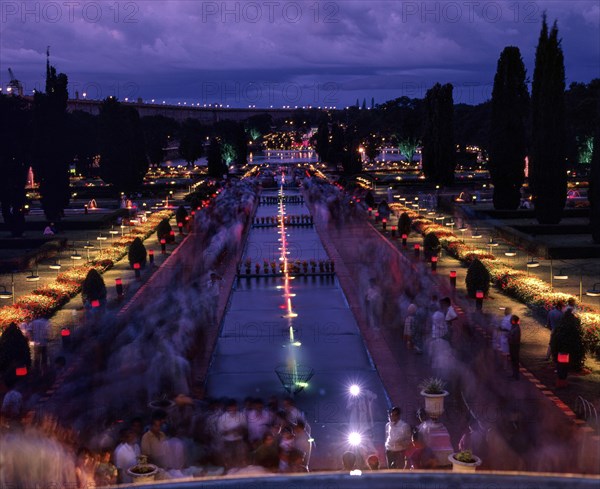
<point x="434" y="404"/>
<point x="458" y="466"/>
<point x="142" y="473"/>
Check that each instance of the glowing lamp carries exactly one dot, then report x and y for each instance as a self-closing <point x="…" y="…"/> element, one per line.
<point x="163" y="246"/>
<point x="479" y="294"/>
<point x="354" y="390"/>
<point x="393" y="231"/>
<point x="21" y="371"/>
<point x="434" y="261"/>
<point x="354" y="439"/>
<point x="65" y="332"/>
<point x="563" y="358"/>
<point x="136" y="266"/>
<point x="562" y="369"/>
<point x="417" y="250"/>
<point x="151" y="256"/>
<point x="479" y="300"/>
<point x="95" y="303"/>
<point x="383" y="224"/>
<point x="453" y="278"/>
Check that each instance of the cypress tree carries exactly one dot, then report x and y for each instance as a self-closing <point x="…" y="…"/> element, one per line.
<point x="594" y="191"/>
<point x="548" y="176"/>
<point x="438" y="157"/>
<point x="508" y="146"/>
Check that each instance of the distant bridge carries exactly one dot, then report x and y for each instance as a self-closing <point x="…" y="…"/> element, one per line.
<point x="207" y="115"/>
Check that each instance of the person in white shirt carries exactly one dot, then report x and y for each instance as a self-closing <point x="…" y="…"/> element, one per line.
<point x="126" y="454"/>
<point x="397" y="439"/>
<point x="38" y="331"/>
<point x="258" y="420"/>
<point x="232" y="429"/>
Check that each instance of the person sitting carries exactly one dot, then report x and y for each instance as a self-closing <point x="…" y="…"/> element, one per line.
<point x="373" y="462"/>
<point x="349" y="461"/>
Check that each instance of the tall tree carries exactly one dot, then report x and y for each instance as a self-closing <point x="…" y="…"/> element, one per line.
<point x="321" y="141"/>
<point x="123" y="161"/>
<point x="508" y="144"/>
<point x="408" y="147"/>
<point x="51" y="149"/>
<point x="594" y="191"/>
<point x="216" y="166"/>
<point x="191" y="139"/>
<point x="159" y="131"/>
<point x="83" y="129"/>
<point x="15" y="121"/>
<point x="548" y="173"/>
<point x="438" y="157"/>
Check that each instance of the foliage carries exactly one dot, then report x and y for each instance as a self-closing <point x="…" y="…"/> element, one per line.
<point x="508" y="144"/>
<point x="123" y="160"/>
<point x="321" y="141"/>
<point x="477" y="278"/>
<point x="14" y="349"/>
<point x="547" y="168"/>
<point x="433" y="385"/>
<point x="408" y="147"/>
<point x="404" y="224"/>
<point x="137" y="253"/>
<point x="15" y="121"/>
<point x="568" y="338"/>
<point x="438" y="157"/>
<point x="93" y="287"/>
<point x="158" y="131"/>
<point x="163" y="230"/>
<point x="216" y="166"/>
<point x="50" y="144"/>
<point x="431" y="245"/>
<point x="466" y="456"/>
<point x="191" y="139"/>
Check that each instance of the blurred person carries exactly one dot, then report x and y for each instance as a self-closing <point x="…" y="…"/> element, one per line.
<point x="267" y="453"/>
<point x="514" y="345"/>
<point x="126" y="454"/>
<point x="373" y="462"/>
<point x="258" y="420"/>
<point x="397" y="439"/>
<point x="552" y="322"/>
<point x="154" y="443"/>
<point x="106" y="472"/>
<point x="373" y="303"/>
<point x="418" y="455"/>
<point x="232" y="430"/>
<point x="349" y="460"/>
<point x="302" y="441"/>
<point x="38" y="331"/>
<point x="12" y="403"/>
<point x="85" y="469"/>
<point x="409" y="326"/>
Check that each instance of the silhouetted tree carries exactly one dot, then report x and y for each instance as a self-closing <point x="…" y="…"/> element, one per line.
<point x="508" y="145"/>
<point x="51" y="149"/>
<point x="548" y="175"/>
<point x="321" y="141"/>
<point x="216" y="166"/>
<point x="123" y="160"/>
<point x="438" y="157"/>
<point x="191" y="140"/>
<point x="15" y="121"/>
<point x="594" y="190"/>
<point x="158" y="132"/>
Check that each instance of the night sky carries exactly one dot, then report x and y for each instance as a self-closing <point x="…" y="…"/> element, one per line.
<point x="302" y="53"/>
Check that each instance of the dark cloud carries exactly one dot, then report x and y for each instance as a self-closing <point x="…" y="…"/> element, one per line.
<point x="292" y="53"/>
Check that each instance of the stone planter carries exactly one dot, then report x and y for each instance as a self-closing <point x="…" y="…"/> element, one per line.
<point x="142" y="473"/>
<point x="434" y="404"/>
<point x="458" y="466"/>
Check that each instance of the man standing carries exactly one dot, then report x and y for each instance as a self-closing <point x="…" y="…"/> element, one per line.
<point x="154" y="443"/>
<point x="397" y="439"/>
<point x="554" y="317"/>
<point x="514" y="345"/>
<point x="38" y="334"/>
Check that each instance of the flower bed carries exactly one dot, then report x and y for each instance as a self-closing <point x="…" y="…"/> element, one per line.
<point x="526" y="288"/>
<point x="45" y="300"/>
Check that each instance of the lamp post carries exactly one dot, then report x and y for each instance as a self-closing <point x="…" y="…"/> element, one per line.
<point x="55" y="266"/>
<point x="101" y="238"/>
<point x="479" y="300"/>
<point x="75" y="256"/>
<point x="453" y="278"/>
<point x="532" y="263"/>
<point x="33" y="276"/>
<point x="6" y="294"/>
<point x="88" y="246"/>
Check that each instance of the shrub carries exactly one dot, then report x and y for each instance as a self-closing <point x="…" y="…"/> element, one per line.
<point x="404" y="224"/>
<point x="431" y="245"/>
<point x="163" y="230"/>
<point x="137" y="253"/>
<point x="568" y="338"/>
<point x="93" y="288"/>
<point x="478" y="278"/>
<point x="181" y="214"/>
<point x="14" y="349"/>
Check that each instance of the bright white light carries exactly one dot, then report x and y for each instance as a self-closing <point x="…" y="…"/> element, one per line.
<point x="354" y="390"/>
<point x="354" y="439"/>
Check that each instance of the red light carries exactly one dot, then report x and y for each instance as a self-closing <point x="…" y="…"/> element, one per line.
<point x="417" y="246"/>
<point x="172" y="233"/>
<point x="193" y="213"/>
<point x="393" y="228"/>
<point x="384" y="220"/>
<point x="452" y="274"/>
<point x="136" y="266"/>
<point x="404" y="236"/>
<point x="434" y="259"/>
<point x="95" y="303"/>
<point x="370" y="209"/>
<point x="65" y="332"/>
<point x="187" y="218"/>
<point x="180" y="224"/>
<point x="118" y="281"/>
<point x="151" y="252"/>
<point x="479" y="294"/>
<point x="163" y="241"/>
<point x="563" y="358"/>
<point x="21" y="371"/>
